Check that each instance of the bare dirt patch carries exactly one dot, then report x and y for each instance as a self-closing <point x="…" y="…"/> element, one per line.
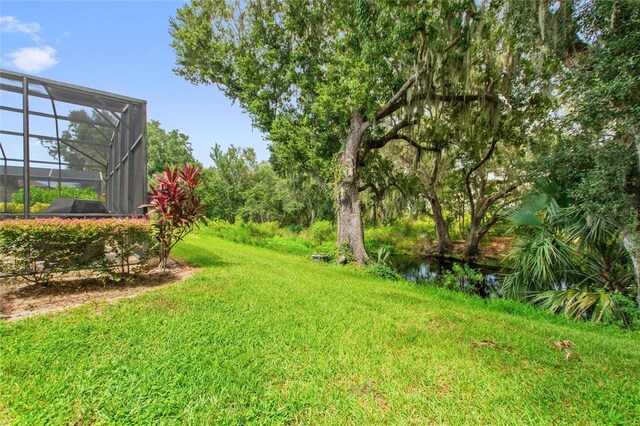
<point x="19" y="299"/>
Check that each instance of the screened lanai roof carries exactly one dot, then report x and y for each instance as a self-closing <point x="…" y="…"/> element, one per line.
<point x="69" y="93"/>
<point x="77" y="136"/>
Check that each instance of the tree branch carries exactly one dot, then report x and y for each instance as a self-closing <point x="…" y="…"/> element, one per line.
<point x="385" y="111"/>
<point x="467" y="176"/>
<point x="394" y="183"/>
<point x="494" y="142"/>
<point x="489" y="201"/>
<point x="391" y="134"/>
<point x="434" y="174"/>
<point x="467" y="187"/>
<point x="415" y="144"/>
<point x="365" y="187"/>
<point x="485" y="228"/>
<point x="465" y="98"/>
<point x="500" y="195"/>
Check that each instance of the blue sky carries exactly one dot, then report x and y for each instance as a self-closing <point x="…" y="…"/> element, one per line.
<point x="122" y="47"/>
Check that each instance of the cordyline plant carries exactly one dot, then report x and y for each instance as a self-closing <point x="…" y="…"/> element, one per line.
<point x="174" y="207"/>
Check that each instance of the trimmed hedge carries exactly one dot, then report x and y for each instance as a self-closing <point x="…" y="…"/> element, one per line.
<point x="35" y="249"/>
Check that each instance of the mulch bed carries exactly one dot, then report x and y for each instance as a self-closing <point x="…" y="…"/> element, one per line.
<point x="20" y="299"/>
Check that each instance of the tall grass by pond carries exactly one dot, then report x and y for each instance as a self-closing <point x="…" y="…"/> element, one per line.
<point x="403" y="236"/>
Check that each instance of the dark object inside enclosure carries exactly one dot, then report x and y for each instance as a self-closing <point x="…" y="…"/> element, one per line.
<point x="74" y="205"/>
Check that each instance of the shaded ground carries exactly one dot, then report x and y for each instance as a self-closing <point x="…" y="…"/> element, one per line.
<point x="19" y="299"/>
<point x="493" y="248"/>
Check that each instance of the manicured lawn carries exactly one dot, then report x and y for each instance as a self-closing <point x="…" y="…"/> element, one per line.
<point x="262" y="337"/>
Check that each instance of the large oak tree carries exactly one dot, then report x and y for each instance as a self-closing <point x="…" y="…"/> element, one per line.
<point x="329" y="81"/>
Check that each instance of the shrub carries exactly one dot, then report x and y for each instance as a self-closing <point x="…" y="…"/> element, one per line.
<point x="462" y="278"/>
<point x="382" y="270"/>
<point x="48" y="195"/>
<point x="383" y="255"/>
<point x="288" y="245"/>
<point x="227" y="231"/>
<point x="627" y="313"/>
<point x="321" y="231"/>
<point x="261" y="230"/>
<point x="296" y="228"/>
<point x="595" y="305"/>
<point x="216" y="226"/>
<point x="175" y="207"/>
<point x="125" y="236"/>
<point x="403" y="235"/>
<point x="328" y="247"/>
<point x="19" y="207"/>
<point x="268" y="234"/>
<point x="35" y="249"/>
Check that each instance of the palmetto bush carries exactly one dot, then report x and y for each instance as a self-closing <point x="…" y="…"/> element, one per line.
<point x="568" y="260"/>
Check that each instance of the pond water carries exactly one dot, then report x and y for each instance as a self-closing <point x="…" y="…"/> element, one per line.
<point x="421" y="270"/>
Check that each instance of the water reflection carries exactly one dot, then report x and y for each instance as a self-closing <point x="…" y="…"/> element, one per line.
<point x="422" y="270"/>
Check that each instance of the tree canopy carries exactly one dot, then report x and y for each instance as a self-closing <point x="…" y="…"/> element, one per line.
<point x="330" y="81"/>
<point x="166" y="148"/>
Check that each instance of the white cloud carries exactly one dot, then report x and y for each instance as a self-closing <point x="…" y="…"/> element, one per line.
<point x="10" y="24"/>
<point x="28" y="59"/>
<point x="33" y="59"/>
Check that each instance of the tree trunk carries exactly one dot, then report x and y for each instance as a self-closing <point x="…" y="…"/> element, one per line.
<point x="631" y="242"/>
<point x="442" y="228"/>
<point x="350" y="228"/>
<point x="631" y="238"/>
<point x="164" y="258"/>
<point x="472" y="245"/>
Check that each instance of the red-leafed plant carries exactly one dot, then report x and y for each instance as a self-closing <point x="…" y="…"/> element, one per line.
<point x="174" y="207"/>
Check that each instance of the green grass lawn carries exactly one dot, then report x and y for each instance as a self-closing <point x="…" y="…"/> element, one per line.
<point x="263" y="337"/>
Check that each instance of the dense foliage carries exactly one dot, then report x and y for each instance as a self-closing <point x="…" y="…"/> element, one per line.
<point x="166" y="149"/>
<point x="238" y="186"/>
<point x="579" y="247"/>
<point x="36" y="249"/>
<point x="569" y="260"/>
<point x="318" y="239"/>
<point x="48" y="195"/>
<point x="331" y="82"/>
<point x="403" y="237"/>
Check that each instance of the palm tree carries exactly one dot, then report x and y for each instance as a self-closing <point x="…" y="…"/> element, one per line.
<point x="566" y="259"/>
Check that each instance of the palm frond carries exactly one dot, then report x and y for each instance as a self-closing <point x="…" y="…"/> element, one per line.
<point x="586" y="228"/>
<point x="579" y="303"/>
<point x="524" y="218"/>
<point x="539" y="262"/>
<point x="383" y="255"/>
